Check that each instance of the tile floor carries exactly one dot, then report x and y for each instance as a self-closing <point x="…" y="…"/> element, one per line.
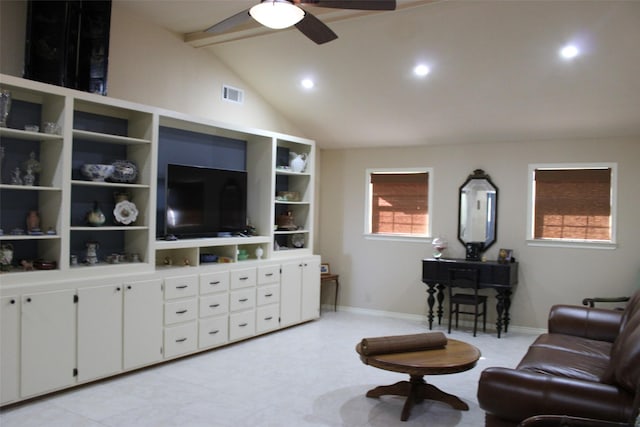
<point x="307" y="375"/>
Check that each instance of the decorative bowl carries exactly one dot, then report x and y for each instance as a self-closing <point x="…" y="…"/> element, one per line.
<point x="124" y="171"/>
<point x="208" y="258"/>
<point x="97" y="172"/>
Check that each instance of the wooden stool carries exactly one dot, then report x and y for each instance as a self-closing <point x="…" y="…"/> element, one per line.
<point x="328" y="277"/>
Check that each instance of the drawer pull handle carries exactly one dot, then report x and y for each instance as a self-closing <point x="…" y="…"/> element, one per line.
<point x="217" y="282"/>
<point x="243" y="300"/>
<point x="181" y="340"/>
<point x="244" y="278"/>
<point x="269" y="274"/>
<point x="242" y="325"/>
<point x="214" y="332"/>
<point x="268" y="318"/>
<point x="214" y="305"/>
<point x="268" y="295"/>
<point x="181" y="311"/>
<point x="182" y="287"/>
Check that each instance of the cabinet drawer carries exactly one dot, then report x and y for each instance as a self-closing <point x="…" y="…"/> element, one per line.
<point x="180" y="311"/>
<point x="243" y="278"/>
<point x="268" y="294"/>
<point x="180" y="339"/>
<point x="267" y="318"/>
<point x="268" y="274"/>
<point x="213" y="331"/>
<point x="242" y="299"/>
<point x="180" y="286"/>
<point x="242" y="325"/>
<point x="214" y="282"/>
<point x="214" y="305"/>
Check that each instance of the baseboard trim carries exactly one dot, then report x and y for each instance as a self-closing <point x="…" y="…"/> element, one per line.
<point x="422" y="318"/>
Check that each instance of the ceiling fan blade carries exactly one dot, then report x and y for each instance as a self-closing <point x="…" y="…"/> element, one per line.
<point x="315" y="29"/>
<point x="353" y="4"/>
<point x="230" y="22"/>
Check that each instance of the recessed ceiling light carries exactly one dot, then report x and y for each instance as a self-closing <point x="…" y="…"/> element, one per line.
<point x="307" y="83"/>
<point x="421" y="70"/>
<point x="569" y="51"/>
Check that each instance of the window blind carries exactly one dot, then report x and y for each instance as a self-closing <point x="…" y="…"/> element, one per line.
<point x="573" y="204"/>
<point x="399" y="203"/>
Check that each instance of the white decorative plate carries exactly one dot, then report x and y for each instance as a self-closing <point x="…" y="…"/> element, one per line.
<point x="125" y="212"/>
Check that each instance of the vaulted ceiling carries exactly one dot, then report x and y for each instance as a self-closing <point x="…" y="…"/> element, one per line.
<point x="495" y="72"/>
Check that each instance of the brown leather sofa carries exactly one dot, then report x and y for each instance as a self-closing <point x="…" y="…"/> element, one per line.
<point x="587" y="365"/>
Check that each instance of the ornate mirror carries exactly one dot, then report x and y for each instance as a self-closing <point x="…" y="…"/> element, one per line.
<point x="477" y="212"/>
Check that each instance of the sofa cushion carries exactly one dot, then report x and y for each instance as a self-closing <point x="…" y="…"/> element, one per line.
<point x="624" y="368"/>
<point x="574" y="344"/>
<point x="562" y="363"/>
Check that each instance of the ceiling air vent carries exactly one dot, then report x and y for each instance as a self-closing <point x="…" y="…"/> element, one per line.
<point x="232" y="94"/>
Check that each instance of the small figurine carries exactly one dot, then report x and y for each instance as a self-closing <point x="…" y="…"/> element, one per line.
<point x="15" y="177"/>
<point x="27" y="265"/>
<point x="167" y="261"/>
<point x="186" y="262"/>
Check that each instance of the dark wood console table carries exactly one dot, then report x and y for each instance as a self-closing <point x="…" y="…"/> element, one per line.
<point x="499" y="276"/>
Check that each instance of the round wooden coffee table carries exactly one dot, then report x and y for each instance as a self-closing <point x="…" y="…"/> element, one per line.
<point x="457" y="356"/>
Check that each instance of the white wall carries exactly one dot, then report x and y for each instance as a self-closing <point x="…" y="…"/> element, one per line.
<point x="150" y="65"/>
<point x="385" y="276"/>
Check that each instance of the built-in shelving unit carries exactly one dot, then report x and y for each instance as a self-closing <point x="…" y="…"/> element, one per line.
<point x="142" y="299"/>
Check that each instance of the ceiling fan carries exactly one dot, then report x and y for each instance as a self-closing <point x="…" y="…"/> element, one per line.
<point x="280" y="14"/>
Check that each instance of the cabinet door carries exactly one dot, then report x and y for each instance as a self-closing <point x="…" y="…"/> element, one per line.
<point x="99" y="331"/>
<point x="142" y="323"/>
<point x="311" y="288"/>
<point x="9" y="341"/>
<point x="290" y="293"/>
<point x="48" y="341"/>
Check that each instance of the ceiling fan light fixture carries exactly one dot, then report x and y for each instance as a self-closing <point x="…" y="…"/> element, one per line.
<point x="276" y="14"/>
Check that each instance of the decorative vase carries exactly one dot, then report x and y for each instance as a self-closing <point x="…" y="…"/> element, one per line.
<point x="439" y="245"/>
<point x="5" y="106"/>
<point x="95" y="217"/>
<point x="259" y="252"/>
<point x="297" y="162"/>
<point x="6" y="256"/>
<point x="33" y="222"/>
<point x="29" y="178"/>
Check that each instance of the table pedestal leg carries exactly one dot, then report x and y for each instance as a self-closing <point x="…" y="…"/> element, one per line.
<point x="416" y="390"/>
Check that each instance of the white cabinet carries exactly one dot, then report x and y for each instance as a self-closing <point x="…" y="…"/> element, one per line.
<point x="213" y="323"/>
<point x="213" y="331"/>
<point x="99" y="331"/>
<point x="242" y="325"/>
<point x="48" y="345"/>
<point x="300" y="290"/>
<point x="142" y="323"/>
<point x="268" y="298"/>
<point x="310" y="304"/>
<point x="9" y="342"/>
<point x="180" y="315"/>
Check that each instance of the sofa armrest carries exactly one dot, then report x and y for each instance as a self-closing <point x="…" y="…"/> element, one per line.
<point x="516" y="395"/>
<point x="593" y="323"/>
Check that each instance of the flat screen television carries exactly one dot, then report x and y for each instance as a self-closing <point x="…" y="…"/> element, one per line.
<point x="205" y="202"/>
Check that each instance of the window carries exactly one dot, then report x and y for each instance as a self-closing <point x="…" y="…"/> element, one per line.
<point x="572" y="203"/>
<point x="398" y="202"/>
